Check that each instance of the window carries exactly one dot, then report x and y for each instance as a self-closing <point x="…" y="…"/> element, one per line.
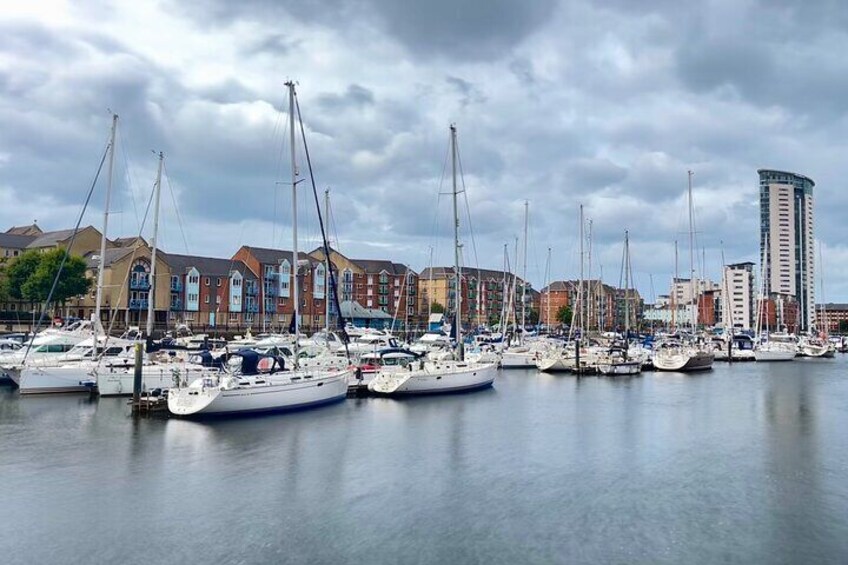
<point x="285" y="275"/>
<point x="233" y="316"/>
<point x="217" y="300"/>
<point x="206" y="281"/>
<point x="206" y="299"/>
<point x="370" y="303"/>
<point x="219" y="281"/>
<point x="370" y="279"/>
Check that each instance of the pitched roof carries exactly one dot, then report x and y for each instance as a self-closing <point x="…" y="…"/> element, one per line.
<point x="207" y="266"/>
<point x="128" y="241"/>
<point x="112" y="255"/>
<point x="31" y="229"/>
<point x="467" y="272"/>
<point x="52" y="238"/>
<point x="276" y="256"/>
<point x="378" y="266"/>
<point x="15" y="240"/>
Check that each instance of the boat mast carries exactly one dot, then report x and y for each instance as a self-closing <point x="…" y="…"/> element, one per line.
<point x="327" y="269"/>
<point x="524" y="274"/>
<point x="457" y="269"/>
<point x="674" y="291"/>
<point x="626" y="284"/>
<point x="150" y="300"/>
<point x="692" y="283"/>
<point x="102" y="264"/>
<point x="295" y="253"/>
<point x="430" y="289"/>
<point x="590" y="294"/>
<point x="504" y="295"/>
<point x="580" y="298"/>
<point x="548" y="287"/>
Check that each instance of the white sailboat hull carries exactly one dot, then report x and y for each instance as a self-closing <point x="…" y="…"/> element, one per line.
<point x="435" y="378"/>
<point x="555" y="363"/>
<point x="119" y="381"/>
<point x="276" y="395"/>
<point x="683" y="360"/>
<point x="620" y="368"/>
<point x="518" y="360"/>
<point x="774" y="355"/>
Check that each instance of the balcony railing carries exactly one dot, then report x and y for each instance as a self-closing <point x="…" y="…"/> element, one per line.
<point x="272" y="290"/>
<point x="176" y="305"/>
<point x="138" y="304"/>
<point x="139" y="284"/>
<point x="272" y="276"/>
<point x="251" y="290"/>
<point x="253" y="307"/>
<point x="176" y="286"/>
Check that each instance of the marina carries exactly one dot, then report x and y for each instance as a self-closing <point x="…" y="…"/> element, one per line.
<point x="745" y="463"/>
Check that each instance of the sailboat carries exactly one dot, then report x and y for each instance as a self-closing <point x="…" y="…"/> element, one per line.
<point x="246" y="389"/>
<point x="616" y="361"/>
<point x="679" y="353"/>
<point x="774" y="346"/>
<point x="520" y="355"/>
<point x="450" y="375"/>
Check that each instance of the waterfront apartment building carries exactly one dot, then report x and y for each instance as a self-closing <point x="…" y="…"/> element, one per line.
<point x="552" y="297"/>
<point x="738" y="296"/>
<point x="830" y="316"/>
<point x="483" y="296"/>
<point x="787" y="238"/>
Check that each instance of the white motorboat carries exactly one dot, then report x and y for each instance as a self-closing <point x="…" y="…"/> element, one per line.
<point x="247" y="390"/>
<point x="45" y="348"/>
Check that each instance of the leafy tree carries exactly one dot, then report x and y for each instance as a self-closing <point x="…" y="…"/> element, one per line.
<point x="437" y="308"/>
<point x="843" y="326"/>
<point x="19" y="271"/>
<point x="72" y="281"/>
<point x="533" y="317"/>
<point x="564" y="315"/>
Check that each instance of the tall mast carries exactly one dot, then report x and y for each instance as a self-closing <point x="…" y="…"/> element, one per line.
<point x="674" y="290"/>
<point x="802" y="252"/>
<point x="590" y="296"/>
<point x="295" y="253"/>
<point x="580" y="297"/>
<point x="457" y="269"/>
<point x="150" y="293"/>
<point x="626" y="283"/>
<point x="430" y="289"/>
<point x="524" y="273"/>
<point x="692" y="283"/>
<point x="504" y="294"/>
<point x="327" y="268"/>
<point x="548" y="287"/>
<point x="102" y="264"/>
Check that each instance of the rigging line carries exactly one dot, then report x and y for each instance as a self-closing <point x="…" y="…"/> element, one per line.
<point x="124" y="146"/>
<point x="326" y="246"/>
<point x="176" y="207"/>
<point x="278" y="175"/>
<point x="123" y="286"/>
<point x="434" y="233"/>
<point x="467" y="209"/>
<point x="68" y="251"/>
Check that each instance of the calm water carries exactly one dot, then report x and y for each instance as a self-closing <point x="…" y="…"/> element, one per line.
<point x="747" y="464"/>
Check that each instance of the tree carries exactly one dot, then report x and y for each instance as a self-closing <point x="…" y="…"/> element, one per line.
<point x="19" y="271"/>
<point x="843" y="326"/>
<point x="564" y="315"/>
<point x="437" y="308"/>
<point x="72" y="281"/>
<point x="533" y="317"/>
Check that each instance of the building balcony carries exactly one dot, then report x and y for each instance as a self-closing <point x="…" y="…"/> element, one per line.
<point x="176" y="286"/>
<point x="250" y="290"/>
<point x="272" y="291"/>
<point x="139" y="304"/>
<point x="253" y="307"/>
<point x="176" y="305"/>
<point x="272" y="276"/>
<point x="139" y="284"/>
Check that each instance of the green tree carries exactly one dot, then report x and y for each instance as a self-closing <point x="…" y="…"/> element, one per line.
<point x="843" y="326"/>
<point x="18" y="272"/>
<point x="533" y="317"/>
<point x="564" y="315"/>
<point x="72" y="281"/>
<point x="437" y="308"/>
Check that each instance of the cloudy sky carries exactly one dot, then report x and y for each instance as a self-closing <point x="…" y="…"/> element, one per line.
<point x="607" y="104"/>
